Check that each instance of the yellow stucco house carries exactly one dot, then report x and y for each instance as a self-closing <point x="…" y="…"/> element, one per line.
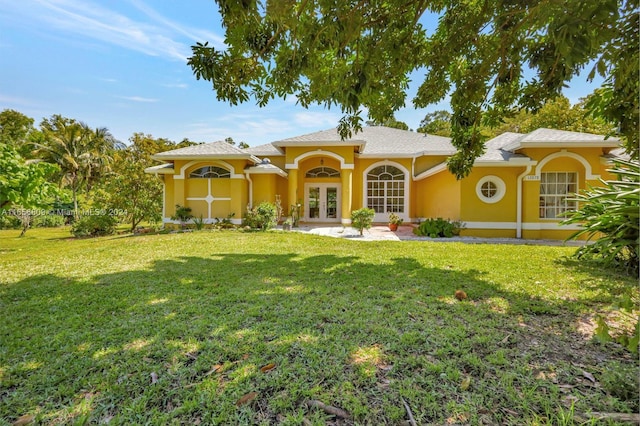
<point x="517" y="188"/>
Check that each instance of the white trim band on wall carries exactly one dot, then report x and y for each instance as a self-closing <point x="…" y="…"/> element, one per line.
<point x="530" y="226"/>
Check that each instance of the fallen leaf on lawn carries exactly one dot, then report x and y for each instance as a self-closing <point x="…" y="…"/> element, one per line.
<point x="383" y="383"/>
<point x="384" y="367"/>
<point x="24" y="420"/>
<point x="513" y="413"/>
<point x="245" y="356"/>
<point x="589" y="376"/>
<point x="569" y="400"/>
<point x="506" y="338"/>
<point x="466" y="382"/>
<point x="154" y="377"/>
<point x="268" y="367"/>
<point x="246" y="398"/>
<point x="216" y="368"/>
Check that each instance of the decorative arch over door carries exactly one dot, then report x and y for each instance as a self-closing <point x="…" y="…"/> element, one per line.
<point x="387" y="190"/>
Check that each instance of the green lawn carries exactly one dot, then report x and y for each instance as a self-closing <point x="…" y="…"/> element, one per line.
<point x="174" y="329"/>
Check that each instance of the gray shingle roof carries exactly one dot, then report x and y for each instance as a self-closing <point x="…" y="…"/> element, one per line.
<point x="379" y="140"/>
<point x="264" y="150"/>
<point x="503" y="140"/>
<point x="552" y="135"/>
<point x="217" y="149"/>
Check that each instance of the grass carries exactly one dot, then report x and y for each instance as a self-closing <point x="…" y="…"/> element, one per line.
<point x="174" y="329"/>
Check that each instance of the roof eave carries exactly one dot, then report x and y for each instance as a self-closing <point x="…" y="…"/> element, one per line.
<point x="262" y="171"/>
<point x="351" y="142"/>
<point x="505" y="163"/>
<point x="407" y="155"/>
<point x="438" y="168"/>
<point x="205" y="157"/>
<point x="610" y="143"/>
<point x="160" y="169"/>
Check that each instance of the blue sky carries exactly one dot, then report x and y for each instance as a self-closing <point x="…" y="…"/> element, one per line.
<point x="121" y="64"/>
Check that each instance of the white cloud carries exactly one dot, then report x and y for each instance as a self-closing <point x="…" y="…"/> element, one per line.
<point x="316" y="119"/>
<point x="137" y="99"/>
<point x="92" y="20"/>
<point x="176" y="85"/>
<point x="192" y="33"/>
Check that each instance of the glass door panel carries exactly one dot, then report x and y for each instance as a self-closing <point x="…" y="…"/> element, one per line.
<point x="314" y="202"/>
<point x="331" y="203"/>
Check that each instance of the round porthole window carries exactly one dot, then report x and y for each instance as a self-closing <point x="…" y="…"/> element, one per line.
<point x="490" y="189"/>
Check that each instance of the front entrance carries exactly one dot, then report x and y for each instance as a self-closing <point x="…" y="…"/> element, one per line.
<point x="322" y="202"/>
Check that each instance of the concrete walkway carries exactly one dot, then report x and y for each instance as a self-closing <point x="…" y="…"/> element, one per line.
<point x="405" y="233"/>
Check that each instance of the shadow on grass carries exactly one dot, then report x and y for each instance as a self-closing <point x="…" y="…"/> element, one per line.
<point x="184" y="340"/>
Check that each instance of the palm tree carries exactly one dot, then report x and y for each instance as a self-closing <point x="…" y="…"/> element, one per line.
<point x="83" y="154"/>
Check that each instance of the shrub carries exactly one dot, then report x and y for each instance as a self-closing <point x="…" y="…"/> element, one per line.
<point x="183" y="214"/>
<point x="94" y="226"/>
<point x="611" y="214"/>
<point x="362" y="219"/>
<point x="261" y="217"/>
<point x="9" y="221"/>
<point x="48" y="221"/>
<point x="439" y="227"/>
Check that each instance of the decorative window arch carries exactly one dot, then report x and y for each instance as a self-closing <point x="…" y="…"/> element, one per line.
<point x="210" y="172"/>
<point x="387" y="190"/>
<point x="323" y="172"/>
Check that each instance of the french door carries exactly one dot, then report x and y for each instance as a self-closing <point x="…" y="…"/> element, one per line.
<point x="322" y="202"/>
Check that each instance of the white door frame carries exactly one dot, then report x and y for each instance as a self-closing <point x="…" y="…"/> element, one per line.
<point x="323" y="196"/>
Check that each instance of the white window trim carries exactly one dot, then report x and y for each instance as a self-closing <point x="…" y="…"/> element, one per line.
<point x="556" y="219"/>
<point x="501" y="189"/>
<point x="383" y="217"/>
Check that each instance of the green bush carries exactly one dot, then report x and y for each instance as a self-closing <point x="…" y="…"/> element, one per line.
<point x="262" y="217"/>
<point x="48" y="221"/>
<point x="437" y="228"/>
<point x="183" y="214"/>
<point x="362" y="219"/>
<point x="94" y="226"/>
<point x="9" y="221"/>
<point x="611" y="214"/>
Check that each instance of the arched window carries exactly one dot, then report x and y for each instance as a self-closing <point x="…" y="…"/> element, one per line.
<point x="320" y="172"/>
<point x="386" y="189"/>
<point x="210" y="172"/>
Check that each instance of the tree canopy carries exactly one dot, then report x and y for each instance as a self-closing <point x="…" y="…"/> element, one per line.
<point x="24" y="184"/>
<point x="82" y="154"/>
<point x="436" y="123"/>
<point x="359" y="54"/>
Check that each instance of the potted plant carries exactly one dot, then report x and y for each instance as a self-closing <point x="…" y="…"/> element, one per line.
<point x="394" y="221"/>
